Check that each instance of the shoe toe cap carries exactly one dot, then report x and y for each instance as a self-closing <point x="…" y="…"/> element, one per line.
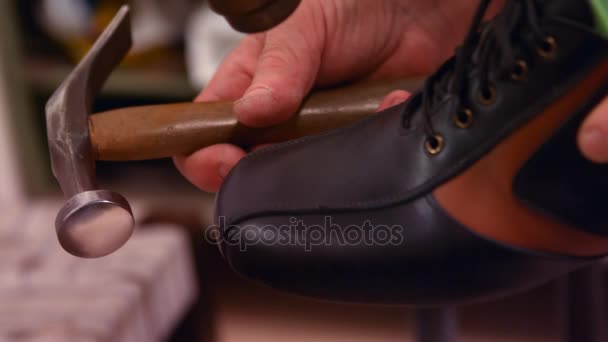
<point x="438" y="263"/>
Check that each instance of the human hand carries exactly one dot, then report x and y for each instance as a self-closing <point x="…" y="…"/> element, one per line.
<point x="593" y="134"/>
<point x="325" y="42"/>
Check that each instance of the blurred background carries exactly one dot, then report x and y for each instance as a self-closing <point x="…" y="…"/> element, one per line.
<point x="167" y="283"/>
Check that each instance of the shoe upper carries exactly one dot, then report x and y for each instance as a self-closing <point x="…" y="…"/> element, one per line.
<point x="392" y="170"/>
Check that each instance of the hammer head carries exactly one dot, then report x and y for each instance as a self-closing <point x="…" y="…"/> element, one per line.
<point x="93" y="222"/>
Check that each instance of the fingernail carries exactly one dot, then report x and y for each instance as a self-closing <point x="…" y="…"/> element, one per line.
<point x="257" y="108"/>
<point x="595" y="144"/>
<point x="223" y="170"/>
<point x="263" y="94"/>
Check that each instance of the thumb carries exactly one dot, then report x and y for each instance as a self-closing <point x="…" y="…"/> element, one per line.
<point x="285" y="73"/>
<point x="593" y="135"/>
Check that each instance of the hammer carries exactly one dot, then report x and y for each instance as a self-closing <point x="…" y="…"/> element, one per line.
<point x="95" y="222"/>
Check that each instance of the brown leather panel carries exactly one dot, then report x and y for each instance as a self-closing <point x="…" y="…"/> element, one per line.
<point x="482" y="199"/>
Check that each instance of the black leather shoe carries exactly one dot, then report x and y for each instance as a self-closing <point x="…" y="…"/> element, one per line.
<point x="472" y="189"/>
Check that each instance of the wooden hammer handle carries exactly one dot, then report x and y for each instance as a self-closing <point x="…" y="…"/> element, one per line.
<point x="158" y="131"/>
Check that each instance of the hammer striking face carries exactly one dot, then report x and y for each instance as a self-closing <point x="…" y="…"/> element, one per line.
<point x="93" y="222"/>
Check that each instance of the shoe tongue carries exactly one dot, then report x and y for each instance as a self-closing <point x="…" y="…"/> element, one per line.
<point x="576" y="10"/>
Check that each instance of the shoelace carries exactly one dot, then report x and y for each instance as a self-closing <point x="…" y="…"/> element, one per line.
<point x="492" y="48"/>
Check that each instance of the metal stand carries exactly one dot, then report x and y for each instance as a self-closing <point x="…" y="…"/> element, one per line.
<point x="582" y="299"/>
<point x="436" y="325"/>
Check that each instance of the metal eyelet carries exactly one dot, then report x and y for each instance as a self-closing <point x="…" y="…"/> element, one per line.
<point x="486" y="97"/>
<point x="434" y="144"/>
<point x="520" y="70"/>
<point x="463" y="118"/>
<point x="547" y="48"/>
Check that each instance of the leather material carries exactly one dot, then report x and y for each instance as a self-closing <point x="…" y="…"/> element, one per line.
<point x="341" y="177"/>
<point x="569" y="10"/>
<point x="482" y="198"/>
<point x="378" y="171"/>
<point x="431" y="260"/>
<point x="561" y="183"/>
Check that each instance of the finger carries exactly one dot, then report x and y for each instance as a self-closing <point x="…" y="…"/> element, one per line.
<point x="285" y="73"/>
<point x="235" y="73"/>
<point x="208" y="167"/>
<point x="593" y="134"/>
<point x="394" y="98"/>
